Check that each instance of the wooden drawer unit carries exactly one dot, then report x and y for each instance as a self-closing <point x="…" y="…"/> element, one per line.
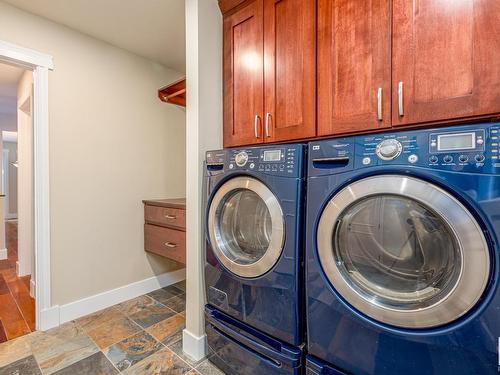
<point x="167" y="242"/>
<point x="172" y="217"/>
<point x="165" y="228"/>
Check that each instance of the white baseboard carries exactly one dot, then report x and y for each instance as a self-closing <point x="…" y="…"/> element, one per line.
<point x="49" y="318"/>
<point x="89" y="305"/>
<point x="4" y="254"/>
<point x="194" y="346"/>
<point x="32" y="288"/>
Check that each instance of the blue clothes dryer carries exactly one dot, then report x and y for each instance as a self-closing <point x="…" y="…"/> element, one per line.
<point x="254" y="263"/>
<point x="402" y="252"/>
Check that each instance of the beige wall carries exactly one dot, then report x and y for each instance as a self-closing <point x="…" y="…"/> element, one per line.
<point x="112" y="143"/>
<point x="12" y="147"/>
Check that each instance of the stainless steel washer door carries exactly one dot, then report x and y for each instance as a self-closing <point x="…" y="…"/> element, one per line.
<point x="403" y="251"/>
<point x="246" y="227"/>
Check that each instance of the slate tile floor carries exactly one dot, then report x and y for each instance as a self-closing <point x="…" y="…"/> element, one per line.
<point x="136" y="337"/>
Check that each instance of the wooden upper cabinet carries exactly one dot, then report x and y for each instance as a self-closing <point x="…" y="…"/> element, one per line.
<point x="354" y="66"/>
<point x="289" y="69"/>
<point x="445" y="61"/>
<point x="244" y="76"/>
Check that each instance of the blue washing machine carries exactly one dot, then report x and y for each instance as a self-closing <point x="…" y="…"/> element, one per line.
<point x="254" y="263"/>
<point x="402" y="252"/>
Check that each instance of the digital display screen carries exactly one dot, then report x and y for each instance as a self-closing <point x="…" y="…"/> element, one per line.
<point x="449" y="142"/>
<point x="273" y="155"/>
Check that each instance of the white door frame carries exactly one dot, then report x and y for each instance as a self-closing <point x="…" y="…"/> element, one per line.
<point x="40" y="64"/>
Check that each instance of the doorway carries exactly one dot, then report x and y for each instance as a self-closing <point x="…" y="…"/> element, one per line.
<point x="37" y="65"/>
<point x="17" y="303"/>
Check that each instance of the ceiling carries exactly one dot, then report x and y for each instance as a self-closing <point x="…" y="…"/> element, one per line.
<point x="154" y="29"/>
<point x="9" y="77"/>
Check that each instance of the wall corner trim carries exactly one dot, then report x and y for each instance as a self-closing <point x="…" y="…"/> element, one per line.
<point x="4" y="254"/>
<point x="194" y="346"/>
<point x="58" y="315"/>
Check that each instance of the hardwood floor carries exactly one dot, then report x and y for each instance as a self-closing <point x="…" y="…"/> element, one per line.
<point x="17" y="308"/>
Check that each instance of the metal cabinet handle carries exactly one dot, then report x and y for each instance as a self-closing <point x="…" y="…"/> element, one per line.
<point x="379" y="104"/>
<point x="170" y="216"/>
<point x="400" y="99"/>
<point x="255" y="125"/>
<point x="268" y="116"/>
<point x="170" y="244"/>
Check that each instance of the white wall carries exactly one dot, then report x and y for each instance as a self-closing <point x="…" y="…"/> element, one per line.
<point x="26" y="244"/>
<point x="112" y="144"/>
<point x="12" y="147"/>
<point x="204" y="132"/>
<point x="3" y="248"/>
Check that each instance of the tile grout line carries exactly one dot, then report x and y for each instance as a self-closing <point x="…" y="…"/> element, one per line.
<point x="178" y="356"/>
<point x="121" y="314"/>
<point x="100" y="350"/>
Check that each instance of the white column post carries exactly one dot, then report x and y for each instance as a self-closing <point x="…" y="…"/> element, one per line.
<point x="203" y="132"/>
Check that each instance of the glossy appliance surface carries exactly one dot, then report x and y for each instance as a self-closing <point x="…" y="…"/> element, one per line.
<point x="253" y="269"/>
<point x="402" y="254"/>
<point x="242" y="350"/>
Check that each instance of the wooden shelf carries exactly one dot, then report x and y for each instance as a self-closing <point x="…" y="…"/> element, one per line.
<point x="174" y="93"/>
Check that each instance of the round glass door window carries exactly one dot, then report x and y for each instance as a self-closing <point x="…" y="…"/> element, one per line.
<point x="246" y="227"/>
<point x="397" y="252"/>
<point x="403" y="251"/>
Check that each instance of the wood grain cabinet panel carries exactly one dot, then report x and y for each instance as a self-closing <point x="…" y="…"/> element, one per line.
<point x="243" y="76"/>
<point x="165" y="228"/>
<point x="173" y="217"/>
<point x="166" y="242"/>
<point x="354" y="65"/>
<point x="445" y="60"/>
<point x="290" y="69"/>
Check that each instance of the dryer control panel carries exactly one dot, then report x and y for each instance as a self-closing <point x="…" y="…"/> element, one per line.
<point x="283" y="160"/>
<point x="470" y="148"/>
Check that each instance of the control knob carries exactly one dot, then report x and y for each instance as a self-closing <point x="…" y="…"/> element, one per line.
<point x="241" y="159"/>
<point x="433" y="159"/>
<point x="448" y="159"/>
<point x="389" y="149"/>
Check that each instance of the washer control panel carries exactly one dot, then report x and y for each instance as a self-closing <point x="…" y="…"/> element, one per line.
<point x="281" y="159"/>
<point x="467" y="148"/>
<point x="473" y="148"/>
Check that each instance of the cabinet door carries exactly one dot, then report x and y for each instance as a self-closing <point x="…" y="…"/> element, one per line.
<point x="354" y="65"/>
<point x="445" y="62"/>
<point x="290" y="69"/>
<point x="244" y="76"/>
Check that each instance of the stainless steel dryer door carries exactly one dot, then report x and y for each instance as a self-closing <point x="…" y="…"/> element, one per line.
<point x="403" y="251"/>
<point x="246" y="227"/>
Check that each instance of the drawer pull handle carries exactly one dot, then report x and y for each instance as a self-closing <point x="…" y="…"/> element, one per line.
<point x="170" y="216"/>
<point x="170" y="244"/>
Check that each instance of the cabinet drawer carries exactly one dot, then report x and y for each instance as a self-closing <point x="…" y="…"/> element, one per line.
<point x="165" y="216"/>
<point x="169" y="243"/>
